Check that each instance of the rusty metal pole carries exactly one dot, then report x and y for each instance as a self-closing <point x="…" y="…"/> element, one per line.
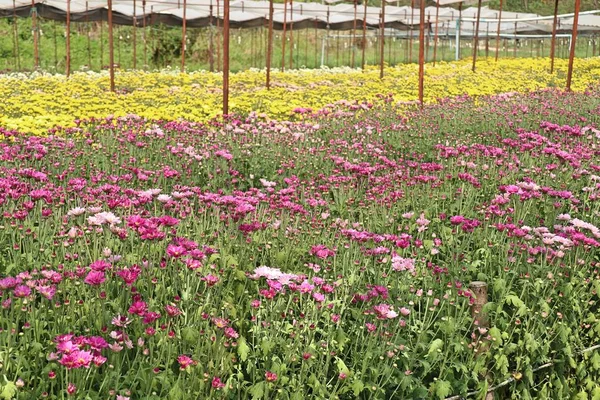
<point x="68" y="61"/>
<point x="421" y="50"/>
<point x="410" y="37"/>
<point x="16" y="38"/>
<point x="34" y="28"/>
<point x="270" y="44"/>
<point x="291" y="34"/>
<point x="211" y="58"/>
<point x="283" y="36"/>
<point x="364" y="37"/>
<point x="573" y="42"/>
<point x="553" y="41"/>
<point x="435" y="35"/>
<point x="382" y="41"/>
<point x="498" y="30"/>
<point x="476" y="38"/>
<point x="184" y="36"/>
<point x="144" y="33"/>
<point x="134" y="34"/>
<point x="111" y="50"/>
<point x="353" y="36"/>
<point x="89" y="44"/>
<point x="225" y="58"/>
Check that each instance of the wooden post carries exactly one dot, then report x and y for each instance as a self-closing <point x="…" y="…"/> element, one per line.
<point x="382" y="42"/>
<point x="225" y="58"/>
<point x="68" y="61"/>
<point x="573" y="42"/>
<point x="134" y="34"/>
<point x="364" y="36"/>
<point x="421" y="50"/>
<point x="111" y="52"/>
<point x="435" y="35"/>
<point x="476" y="38"/>
<point x="498" y="30"/>
<point x="479" y="292"/>
<point x="184" y="36"/>
<point x="353" y="36"/>
<point x="283" y="36"/>
<point x="270" y="44"/>
<point x="34" y="28"/>
<point x="553" y="41"/>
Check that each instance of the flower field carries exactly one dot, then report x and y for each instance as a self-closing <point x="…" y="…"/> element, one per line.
<point x="36" y="103"/>
<point x="328" y="257"/>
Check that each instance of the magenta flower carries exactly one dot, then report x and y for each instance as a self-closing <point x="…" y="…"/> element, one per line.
<point x="95" y="278"/>
<point x="217" y="384"/>
<point x="22" y="291"/>
<point x="321" y="251"/>
<point x="185" y="361"/>
<point x="270" y="376"/>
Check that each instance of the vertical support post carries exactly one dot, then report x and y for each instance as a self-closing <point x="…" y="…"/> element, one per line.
<point x="476" y="38"/>
<point x="211" y="47"/>
<point x="89" y="44"/>
<point x="498" y="29"/>
<point x="515" y="36"/>
<point x="487" y="40"/>
<point x="283" y="36"/>
<point x="184" y="36"/>
<point x="269" y="44"/>
<point x="225" y="58"/>
<point x="479" y="292"/>
<point x="68" y="61"/>
<point x="364" y="36"/>
<point x="134" y="34"/>
<point x="218" y="37"/>
<point x="101" y="45"/>
<point x="382" y="41"/>
<point x="55" y="47"/>
<point x="573" y="42"/>
<point x="291" y="34"/>
<point x="16" y="38"/>
<point x="410" y="31"/>
<point x="111" y="50"/>
<point x="144" y="33"/>
<point x="435" y="35"/>
<point x="421" y="50"/>
<point x="553" y="41"/>
<point x="354" y="36"/>
<point x="34" y="28"/>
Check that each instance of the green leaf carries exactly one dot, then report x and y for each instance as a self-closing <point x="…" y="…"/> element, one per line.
<point x="443" y="389"/>
<point x="502" y="364"/>
<point x="190" y="335"/>
<point x="9" y="391"/>
<point x="596" y="393"/>
<point x="176" y="393"/>
<point x="517" y="303"/>
<point x="357" y="387"/>
<point x="435" y="347"/>
<point x="243" y="349"/>
<point x="342" y="366"/>
<point x="258" y="391"/>
<point x="596" y="361"/>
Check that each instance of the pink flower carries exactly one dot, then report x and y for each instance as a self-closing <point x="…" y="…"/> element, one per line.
<point x="231" y="333"/>
<point x="217" y="384"/>
<point x="138" y="308"/>
<point x="71" y="389"/>
<point x="404" y="311"/>
<point x="321" y="251"/>
<point x="185" y="361"/>
<point x="95" y="278"/>
<point x="22" y="291"/>
<point x="270" y="376"/>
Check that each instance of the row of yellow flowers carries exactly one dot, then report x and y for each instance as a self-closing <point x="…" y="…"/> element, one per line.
<point x="37" y="102"/>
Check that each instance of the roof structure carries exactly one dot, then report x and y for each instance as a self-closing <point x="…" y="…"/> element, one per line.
<point x="255" y="13"/>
